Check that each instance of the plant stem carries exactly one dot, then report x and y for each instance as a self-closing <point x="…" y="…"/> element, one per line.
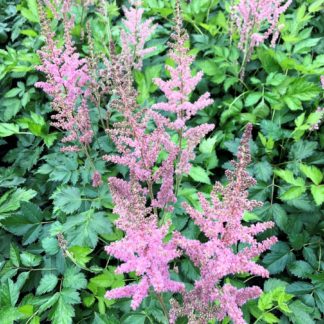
<point x="260" y="317"/>
<point x="159" y="297"/>
<point x="179" y="176"/>
<point x="150" y="188"/>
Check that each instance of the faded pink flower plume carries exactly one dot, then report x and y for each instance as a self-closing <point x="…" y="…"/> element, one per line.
<point x="221" y="222"/>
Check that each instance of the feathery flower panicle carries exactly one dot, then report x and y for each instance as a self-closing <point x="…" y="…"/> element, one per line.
<point x="139" y="149"/>
<point x="96" y="179"/>
<point x="217" y="258"/>
<point x="143" y="249"/>
<point x="136" y="33"/>
<point x="177" y="91"/>
<point x="250" y="18"/>
<point x="67" y="80"/>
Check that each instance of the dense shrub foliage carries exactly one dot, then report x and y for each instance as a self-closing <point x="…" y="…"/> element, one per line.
<point x="161" y="162"/>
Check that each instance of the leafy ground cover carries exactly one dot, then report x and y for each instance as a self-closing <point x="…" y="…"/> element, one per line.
<point x="55" y="225"/>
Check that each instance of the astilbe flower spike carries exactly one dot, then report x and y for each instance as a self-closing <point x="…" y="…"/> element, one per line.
<point x="139" y="149"/>
<point x="142" y="249"/>
<point x="136" y="33"/>
<point x="67" y="81"/>
<point x="177" y="91"/>
<point x="140" y="139"/>
<point x="217" y="258"/>
<point x="256" y="21"/>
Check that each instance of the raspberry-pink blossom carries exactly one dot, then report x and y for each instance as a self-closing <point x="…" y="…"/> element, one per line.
<point x="193" y="137"/>
<point x="136" y="33"/>
<point x="67" y="80"/>
<point x="143" y="249"/>
<point x="177" y="91"/>
<point x="138" y="148"/>
<point x="221" y="222"/>
<point x="96" y="179"/>
<point x="250" y="18"/>
<point x="144" y="145"/>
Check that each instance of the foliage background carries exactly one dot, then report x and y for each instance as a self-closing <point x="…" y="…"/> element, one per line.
<point x="54" y="225"/>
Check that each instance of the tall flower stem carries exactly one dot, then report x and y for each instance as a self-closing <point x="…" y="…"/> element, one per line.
<point x="165" y="311"/>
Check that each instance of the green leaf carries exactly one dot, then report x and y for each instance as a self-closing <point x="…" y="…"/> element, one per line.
<point x="272" y="284"/>
<point x="27" y="310"/>
<point x="32" y="12"/>
<point x="319" y="298"/>
<point x="48" y="303"/>
<point x="199" y="174"/>
<point x="30" y="260"/>
<point x="11" y="201"/>
<point x="288" y="176"/>
<point x="80" y="255"/>
<point x="12" y="93"/>
<point x="62" y="312"/>
<point x="279" y="216"/>
<point x="9" y="293"/>
<point x="208" y="67"/>
<point x="137" y="318"/>
<point x="60" y="168"/>
<point x="299" y="288"/>
<point x="105" y="319"/>
<point x="300" y="269"/>
<point x="318" y="194"/>
<point x="26" y="223"/>
<point x="50" y="245"/>
<point x="75" y="279"/>
<point x="47" y="284"/>
<point x="21" y="280"/>
<point x="190" y="271"/>
<point x="269" y="63"/>
<point x="14" y="255"/>
<point x="298" y="240"/>
<point x="303" y="90"/>
<point x="248" y="217"/>
<point x="302" y="150"/>
<point x="310" y="256"/>
<point x="305" y="45"/>
<point x="263" y="171"/>
<point x="293" y="193"/>
<point x="88" y="300"/>
<point x="8" y="129"/>
<point x="293" y="103"/>
<point x="315" y="6"/>
<point x="278" y="258"/>
<point x="270" y="318"/>
<point x="207" y="146"/>
<point x="9" y="315"/>
<point x="312" y="173"/>
<point x="13" y="105"/>
<point x="252" y="98"/>
<point x="108" y="279"/>
<point x="271" y="129"/>
<point x="85" y="228"/>
<point x="300" y="313"/>
<point x="276" y="79"/>
<point x="265" y="301"/>
<point x="67" y="199"/>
